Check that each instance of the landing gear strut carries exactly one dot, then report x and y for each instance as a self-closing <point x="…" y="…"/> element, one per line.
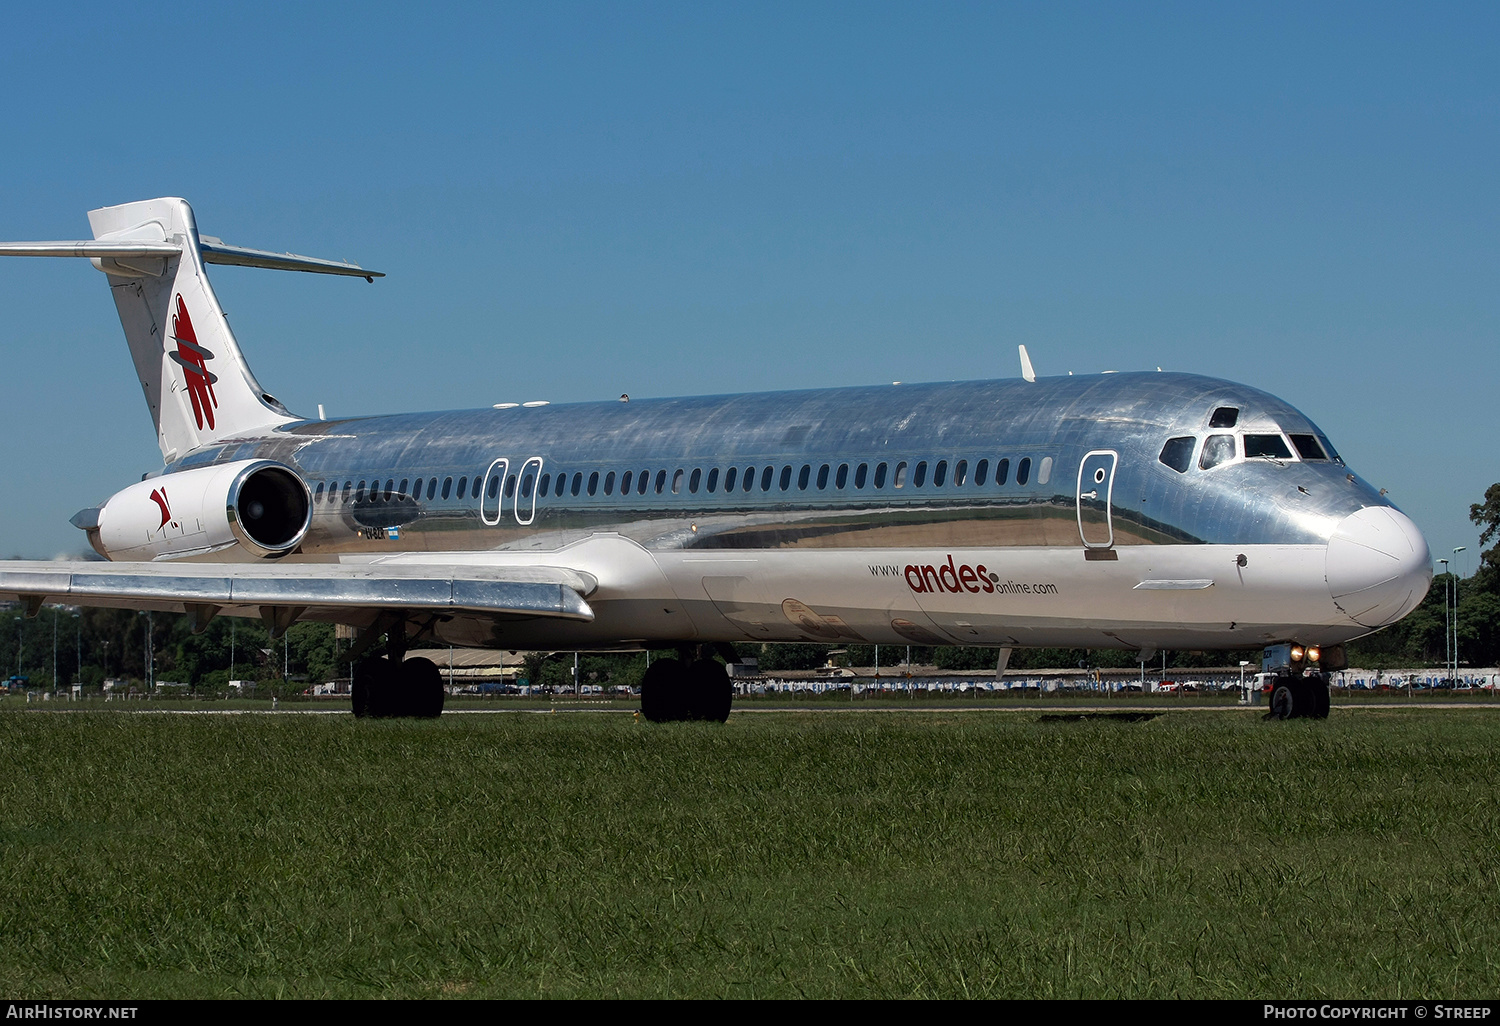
<point x="1300" y="697"/>
<point x="686" y="689"/>
<point x="392" y="685"/>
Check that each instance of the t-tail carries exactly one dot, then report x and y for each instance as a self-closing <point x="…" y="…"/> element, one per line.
<point x="198" y="385"/>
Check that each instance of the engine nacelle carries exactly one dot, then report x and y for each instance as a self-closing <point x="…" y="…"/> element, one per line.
<point x="263" y="507"/>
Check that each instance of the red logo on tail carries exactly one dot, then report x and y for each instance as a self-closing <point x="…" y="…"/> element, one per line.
<point x="193" y="359"/>
<point x="159" y="496"/>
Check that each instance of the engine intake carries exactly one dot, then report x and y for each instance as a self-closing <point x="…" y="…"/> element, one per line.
<point x="259" y="506"/>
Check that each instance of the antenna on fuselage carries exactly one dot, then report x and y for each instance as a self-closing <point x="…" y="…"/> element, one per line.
<point x="1027" y="370"/>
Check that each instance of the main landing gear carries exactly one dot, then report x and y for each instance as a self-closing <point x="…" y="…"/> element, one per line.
<point x="686" y="688"/>
<point x="1299" y="697"/>
<point x="384" y="689"/>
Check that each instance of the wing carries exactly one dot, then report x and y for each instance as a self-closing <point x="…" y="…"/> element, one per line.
<point x="356" y="594"/>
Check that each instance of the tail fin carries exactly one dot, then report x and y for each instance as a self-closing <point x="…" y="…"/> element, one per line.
<point x="197" y="383"/>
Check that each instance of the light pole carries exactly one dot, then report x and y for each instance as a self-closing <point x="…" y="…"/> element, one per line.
<point x="1454" y="675"/>
<point x="78" y="651"/>
<point x="54" y="652"/>
<point x="18" y="646"/>
<point x="1447" y="622"/>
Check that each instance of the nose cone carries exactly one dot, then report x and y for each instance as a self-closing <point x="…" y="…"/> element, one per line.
<point x="1378" y="566"/>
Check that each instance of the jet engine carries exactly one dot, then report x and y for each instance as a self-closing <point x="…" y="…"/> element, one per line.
<point x="260" y="506"/>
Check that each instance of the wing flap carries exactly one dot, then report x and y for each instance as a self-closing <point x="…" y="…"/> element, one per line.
<point x="524" y="591"/>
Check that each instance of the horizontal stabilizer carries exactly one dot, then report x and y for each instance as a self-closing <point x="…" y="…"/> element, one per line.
<point x="521" y="591"/>
<point x="214" y="251"/>
<point x="90" y="248"/>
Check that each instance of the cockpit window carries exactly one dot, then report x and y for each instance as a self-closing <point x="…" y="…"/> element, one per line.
<point x="1333" y="453"/>
<point x="1217" y="449"/>
<point x="1308" y="447"/>
<point x="1178" y="453"/>
<point x="1273" y="446"/>
<point x="1225" y="416"/>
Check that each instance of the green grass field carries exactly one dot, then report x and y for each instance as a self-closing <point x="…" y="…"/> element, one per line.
<point x="971" y="854"/>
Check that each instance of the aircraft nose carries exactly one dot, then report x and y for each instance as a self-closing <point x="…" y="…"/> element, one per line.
<point x="1378" y="566"/>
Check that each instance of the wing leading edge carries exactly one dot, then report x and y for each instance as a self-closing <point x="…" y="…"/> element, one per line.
<point x="326" y="589"/>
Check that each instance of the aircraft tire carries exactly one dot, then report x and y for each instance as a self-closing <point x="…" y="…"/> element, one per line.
<point x="662" y="691"/>
<point x="1318" y="702"/>
<point x="372" y="691"/>
<point x="1284" y="701"/>
<point x="709" y="693"/>
<point x="421" y="689"/>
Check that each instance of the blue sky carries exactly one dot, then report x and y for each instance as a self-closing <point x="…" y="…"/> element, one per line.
<point x="574" y="201"/>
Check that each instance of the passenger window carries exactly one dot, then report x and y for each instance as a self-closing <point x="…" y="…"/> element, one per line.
<point x="960" y="473"/>
<point x="822" y="477"/>
<point x="786" y="477"/>
<point x="625" y="482"/>
<point x="390" y="488"/>
<point x="695" y="479"/>
<point x="729" y="477"/>
<point x="463" y="486"/>
<point x="477" y="485"/>
<point x="981" y="472"/>
<point x="677" y="483"/>
<point x="880" y="476"/>
<point x="1217" y="449"/>
<point x="713" y="479"/>
<point x="359" y="492"/>
<point x="1224" y="417"/>
<point x="804" y="477"/>
<point x="318" y="495"/>
<point x="1272" y="446"/>
<point x="562" y="485"/>
<point x="431" y="489"/>
<point x="577" y="482"/>
<point x="643" y="482"/>
<point x="860" y="473"/>
<point x="609" y="483"/>
<point x="510" y="486"/>
<point x="900" y="481"/>
<point x="544" y="487"/>
<point x="940" y="474"/>
<point x="447" y="486"/>
<point x="593" y="483"/>
<point x="402" y="489"/>
<point x="1002" y="472"/>
<point x="349" y="490"/>
<point x="494" y="486"/>
<point x="841" y="479"/>
<point x="526" y="484"/>
<point x="765" y="478"/>
<point x="1044" y="470"/>
<point x="920" y="476"/>
<point x="1308" y="447"/>
<point x="661" y="481"/>
<point x="1023" y="471"/>
<point x="1178" y="453"/>
<point x="749" y="479"/>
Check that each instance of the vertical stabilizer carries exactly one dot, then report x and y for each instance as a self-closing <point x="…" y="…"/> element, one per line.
<point x="197" y="383"/>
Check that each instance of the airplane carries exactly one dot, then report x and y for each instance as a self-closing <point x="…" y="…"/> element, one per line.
<point x="1137" y="511"/>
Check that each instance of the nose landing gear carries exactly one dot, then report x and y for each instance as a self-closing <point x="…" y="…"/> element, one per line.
<point x="1295" y="698"/>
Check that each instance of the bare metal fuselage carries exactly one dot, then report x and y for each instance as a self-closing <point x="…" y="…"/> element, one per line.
<point x="873" y="514"/>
